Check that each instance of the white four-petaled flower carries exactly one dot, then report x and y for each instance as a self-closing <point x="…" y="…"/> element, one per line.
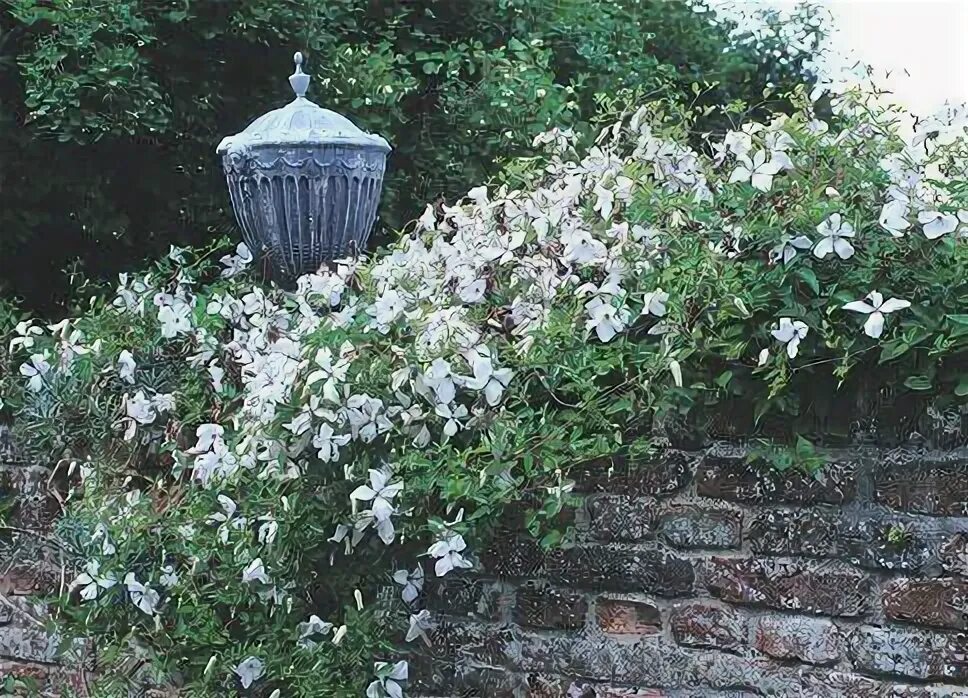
<point x="875" y="310"/>
<point x="756" y="170"/>
<point x="448" y="553"/>
<point x="250" y="670"/>
<point x="790" y="332"/>
<point x="936" y="224"/>
<point x="835" y="233"/>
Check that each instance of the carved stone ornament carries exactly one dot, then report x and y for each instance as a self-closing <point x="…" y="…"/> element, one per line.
<point x="304" y="183"/>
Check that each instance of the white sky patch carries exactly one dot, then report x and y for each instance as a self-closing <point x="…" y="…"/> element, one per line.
<point x="917" y="49"/>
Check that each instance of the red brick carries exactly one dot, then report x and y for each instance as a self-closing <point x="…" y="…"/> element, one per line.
<point x="627" y="617"/>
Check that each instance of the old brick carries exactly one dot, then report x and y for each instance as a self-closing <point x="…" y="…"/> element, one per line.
<point x="513" y="556"/>
<point x="619" y="518"/>
<point x="830" y="588"/>
<point x="954" y="554"/>
<point x="464" y="596"/>
<point x="811" y="640"/>
<point x="667" y="472"/>
<point x="802" y="532"/>
<point x="704" y="625"/>
<point x="909" y="653"/>
<point x="939" y="602"/>
<point x="839" y="684"/>
<point x="627" y="616"/>
<point x="541" y="606"/>
<point x="726" y="474"/>
<point x="611" y="568"/>
<point x="657" y="664"/>
<point x="874" y="541"/>
<point x="935" y="489"/>
<point x="28" y="644"/>
<point x="701" y="527"/>
<point x="488" y="644"/>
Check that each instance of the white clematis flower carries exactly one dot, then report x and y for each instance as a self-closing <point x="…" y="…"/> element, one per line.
<point x="448" y="553"/>
<point x="126" y="366"/>
<point x="311" y="631"/>
<point x="388" y="679"/>
<point x="255" y="572"/>
<point x="412" y="583"/>
<point x="786" y="250"/>
<point x="790" y="332"/>
<point x="605" y="319"/>
<point x="835" y="233"/>
<point x="756" y="170"/>
<point x="894" y="217"/>
<point x="875" y="310"/>
<point x="485" y="377"/>
<point x="236" y="264"/>
<point x="34" y="370"/>
<point x="92" y="582"/>
<point x="145" y="598"/>
<point x="654" y="303"/>
<point x="250" y="670"/>
<point x="380" y="493"/>
<point x="936" y="224"/>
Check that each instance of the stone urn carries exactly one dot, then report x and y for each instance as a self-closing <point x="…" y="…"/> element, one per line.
<point x="304" y="183"/>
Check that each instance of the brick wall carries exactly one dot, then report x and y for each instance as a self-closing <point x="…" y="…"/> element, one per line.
<point x="694" y="574"/>
<point x="698" y="574"/>
<point x="30" y="568"/>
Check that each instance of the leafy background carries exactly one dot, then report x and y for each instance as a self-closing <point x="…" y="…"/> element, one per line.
<point x="110" y="111"/>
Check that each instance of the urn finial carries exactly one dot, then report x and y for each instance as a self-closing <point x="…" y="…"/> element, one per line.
<point x="299" y="80"/>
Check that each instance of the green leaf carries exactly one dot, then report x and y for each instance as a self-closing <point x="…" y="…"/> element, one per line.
<point x="961" y="390"/>
<point x="918" y="383"/>
<point x="723" y="379"/>
<point x="893" y="349"/>
<point x="809" y="278"/>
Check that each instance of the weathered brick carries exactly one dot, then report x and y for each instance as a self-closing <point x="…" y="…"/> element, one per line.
<point x="619" y="518"/>
<point x="909" y="653"/>
<point x="954" y="555"/>
<point x="704" y="625"/>
<point x="839" y="684"/>
<point x="830" y="588"/>
<point x="464" y="596"/>
<point x="513" y="556"/>
<point x="726" y="474"/>
<point x="611" y="568"/>
<point x="939" y="602"/>
<point x="936" y="489"/>
<point x="542" y="606"/>
<point x="801" y="532"/>
<point x="811" y="640"/>
<point x="701" y="527"/>
<point x="28" y="644"/>
<point x="488" y="644"/>
<point x="667" y="472"/>
<point x="875" y="541"/>
<point x="657" y="664"/>
<point x="627" y="616"/>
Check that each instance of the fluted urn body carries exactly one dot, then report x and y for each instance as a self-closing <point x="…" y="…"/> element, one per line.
<point x="304" y="183"/>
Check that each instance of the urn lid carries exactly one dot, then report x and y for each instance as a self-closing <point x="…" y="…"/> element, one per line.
<point x="302" y="123"/>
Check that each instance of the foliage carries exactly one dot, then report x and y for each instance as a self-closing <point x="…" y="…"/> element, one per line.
<point x="110" y="111"/>
<point x="250" y="465"/>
